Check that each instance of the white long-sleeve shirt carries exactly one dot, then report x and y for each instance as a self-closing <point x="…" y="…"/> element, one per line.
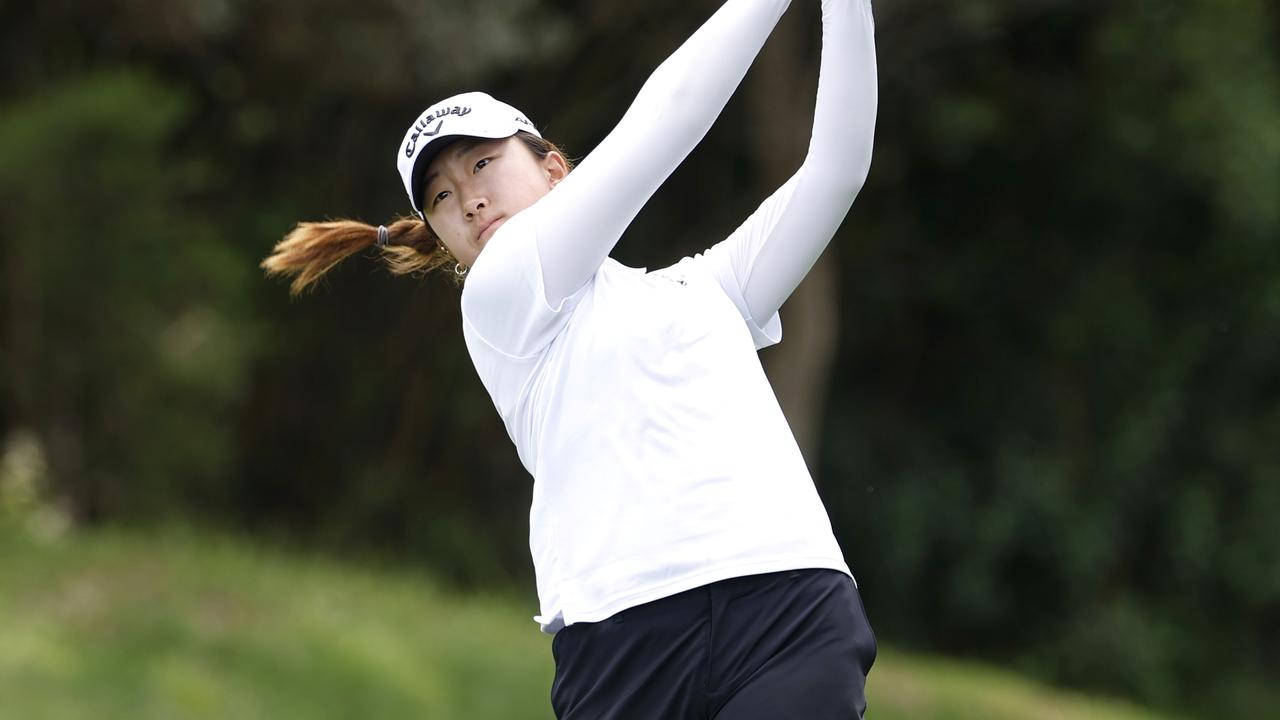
<point x="661" y="459"/>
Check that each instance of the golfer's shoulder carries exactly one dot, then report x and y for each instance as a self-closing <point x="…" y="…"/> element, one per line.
<point x="504" y="299"/>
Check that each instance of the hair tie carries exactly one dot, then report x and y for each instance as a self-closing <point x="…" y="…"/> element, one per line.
<point x="384" y="236"/>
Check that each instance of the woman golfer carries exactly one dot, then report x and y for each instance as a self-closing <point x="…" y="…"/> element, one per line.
<point x="685" y="563"/>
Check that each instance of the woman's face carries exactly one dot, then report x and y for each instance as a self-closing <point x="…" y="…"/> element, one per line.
<point x="475" y="185"/>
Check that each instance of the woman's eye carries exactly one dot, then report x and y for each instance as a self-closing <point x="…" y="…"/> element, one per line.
<point x="482" y="163"/>
<point x="439" y="196"/>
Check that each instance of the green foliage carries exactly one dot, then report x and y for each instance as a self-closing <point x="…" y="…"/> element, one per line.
<point x="126" y="341"/>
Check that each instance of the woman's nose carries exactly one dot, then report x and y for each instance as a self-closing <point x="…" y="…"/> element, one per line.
<point x="474" y="205"/>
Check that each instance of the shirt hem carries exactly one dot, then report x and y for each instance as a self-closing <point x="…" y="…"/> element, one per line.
<point x="558" y="619"/>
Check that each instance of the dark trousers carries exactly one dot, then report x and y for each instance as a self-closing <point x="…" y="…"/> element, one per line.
<point x="792" y="644"/>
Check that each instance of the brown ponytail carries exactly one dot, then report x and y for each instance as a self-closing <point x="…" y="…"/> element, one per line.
<point x="312" y="248"/>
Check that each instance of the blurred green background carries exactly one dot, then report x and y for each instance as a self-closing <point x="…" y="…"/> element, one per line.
<point x="1036" y="375"/>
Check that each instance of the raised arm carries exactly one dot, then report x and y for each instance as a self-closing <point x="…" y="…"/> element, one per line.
<point x="580" y="221"/>
<point x="775" y="248"/>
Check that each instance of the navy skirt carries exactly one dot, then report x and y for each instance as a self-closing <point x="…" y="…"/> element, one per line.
<point x="791" y="644"/>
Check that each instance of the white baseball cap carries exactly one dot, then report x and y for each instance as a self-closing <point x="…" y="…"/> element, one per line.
<point x="473" y="114"/>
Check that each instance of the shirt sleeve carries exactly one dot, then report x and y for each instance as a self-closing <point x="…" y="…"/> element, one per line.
<point x="503" y="302"/>
<point x="765" y="259"/>
<point x="579" y="222"/>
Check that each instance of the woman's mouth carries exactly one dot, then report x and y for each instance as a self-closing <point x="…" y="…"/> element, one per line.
<point x="489" y="228"/>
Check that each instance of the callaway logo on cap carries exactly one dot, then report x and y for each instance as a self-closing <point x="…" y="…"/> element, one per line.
<point x="473" y="114"/>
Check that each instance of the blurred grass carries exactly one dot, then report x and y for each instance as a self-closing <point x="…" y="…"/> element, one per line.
<point x="177" y="624"/>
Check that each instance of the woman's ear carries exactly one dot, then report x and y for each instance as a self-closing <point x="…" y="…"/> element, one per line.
<point x="555" y="167"/>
